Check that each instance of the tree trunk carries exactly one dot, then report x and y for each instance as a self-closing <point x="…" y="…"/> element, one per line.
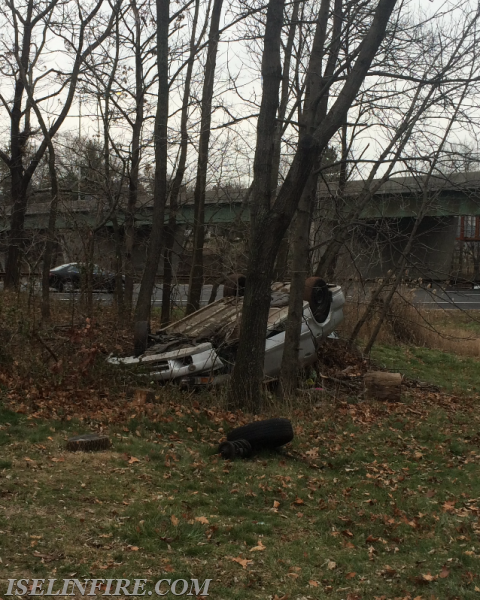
<point x="300" y="268"/>
<point x="130" y="213"/>
<point x="247" y="375"/>
<point x="16" y="239"/>
<point x="143" y="308"/>
<point x="19" y="183"/>
<point x="119" y="288"/>
<point x="178" y="179"/>
<point x="135" y="165"/>
<point x="50" y="242"/>
<point x="281" y="264"/>
<point x="196" y="273"/>
<point x="272" y="224"/>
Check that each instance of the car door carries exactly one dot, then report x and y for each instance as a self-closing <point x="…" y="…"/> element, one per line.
<point x="73" y="275"/>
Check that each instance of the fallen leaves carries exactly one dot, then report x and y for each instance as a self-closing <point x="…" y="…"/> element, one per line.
<point x="202" y="520"/>
<point x="449" y="506"/>
<point x="174" y="520"/>
<point x="425" y="578"/>
<point x="244" y="562"/>
<point x="259" y="548"/>
<point x="444" y="573"/>
<point x="133" y="460"/>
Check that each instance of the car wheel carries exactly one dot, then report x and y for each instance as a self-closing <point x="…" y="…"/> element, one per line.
<point x="270" y="433"/>
<point x="318" y="295"/>
<point x="140" y="337"/>
<point x="68" y="286"/>
<point x="234" y="285"/>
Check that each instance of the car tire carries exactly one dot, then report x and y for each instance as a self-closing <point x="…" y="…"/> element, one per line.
<point x="318" y="295"/>
<point x="140" y="337"/>
<point x="234" y="286"/>
<point x="270" y="433"/>
<point x="68" y="286"/>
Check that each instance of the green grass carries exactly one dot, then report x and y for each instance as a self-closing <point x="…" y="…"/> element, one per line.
<point x="452" y="372"/>
<point x="371" y="499"/>
<point x="468" y="321"/>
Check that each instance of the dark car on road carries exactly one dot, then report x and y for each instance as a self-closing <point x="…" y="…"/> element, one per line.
<point x="66" y="278"/>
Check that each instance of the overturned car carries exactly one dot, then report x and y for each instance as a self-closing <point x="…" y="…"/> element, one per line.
<point x="200" y="349"/>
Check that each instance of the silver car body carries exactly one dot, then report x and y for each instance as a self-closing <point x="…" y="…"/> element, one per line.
<point x="202" y="363"/>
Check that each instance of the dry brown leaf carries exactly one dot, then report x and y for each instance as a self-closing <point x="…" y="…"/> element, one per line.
<point x="350" y="575"/>
<point x="444" y="573"/>
<point x="276" y="504"/>
<point x="389" y="571"/>
<point x="174" y="520"/>
<point x="133" y="460"/>
<point x="202" y="520"/>
<point x="242" y="561"/>
<point x="331" y="565"/>
<point x="313" y="583"/>
<point x="134" y="548"/>
<point x="425" y="578"/>
<point x="258" y="548"/>
<point x="449" y="506"/>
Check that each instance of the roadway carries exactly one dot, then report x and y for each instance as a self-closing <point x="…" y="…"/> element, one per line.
<point x="433" y="298"/>
<point x="448" y="300"/>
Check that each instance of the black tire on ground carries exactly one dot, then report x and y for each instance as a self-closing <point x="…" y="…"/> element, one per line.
<point x="140" y="337"/>
<point x="234" y="285"/>
<point x="88" y="442"/>
<point x="319" y="297"/>
<point x="270" y="433"/>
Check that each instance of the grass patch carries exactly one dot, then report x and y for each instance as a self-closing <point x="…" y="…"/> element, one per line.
<point x="460" y="374"/>
<point x="373" y="501"/>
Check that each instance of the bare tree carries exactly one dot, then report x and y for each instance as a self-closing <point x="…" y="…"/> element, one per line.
<point x="33" y="30"/>
<point x="196" y="274"/>
<point x="181" y="166"/>
<point x="269" y="227"/>
<point x="142" y="311"/>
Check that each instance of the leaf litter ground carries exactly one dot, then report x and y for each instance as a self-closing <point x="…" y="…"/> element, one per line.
<point x="372" y="501"/>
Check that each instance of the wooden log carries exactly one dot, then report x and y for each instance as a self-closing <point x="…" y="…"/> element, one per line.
<point x="383" y="386"/>
<point x="88" y="442"/>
